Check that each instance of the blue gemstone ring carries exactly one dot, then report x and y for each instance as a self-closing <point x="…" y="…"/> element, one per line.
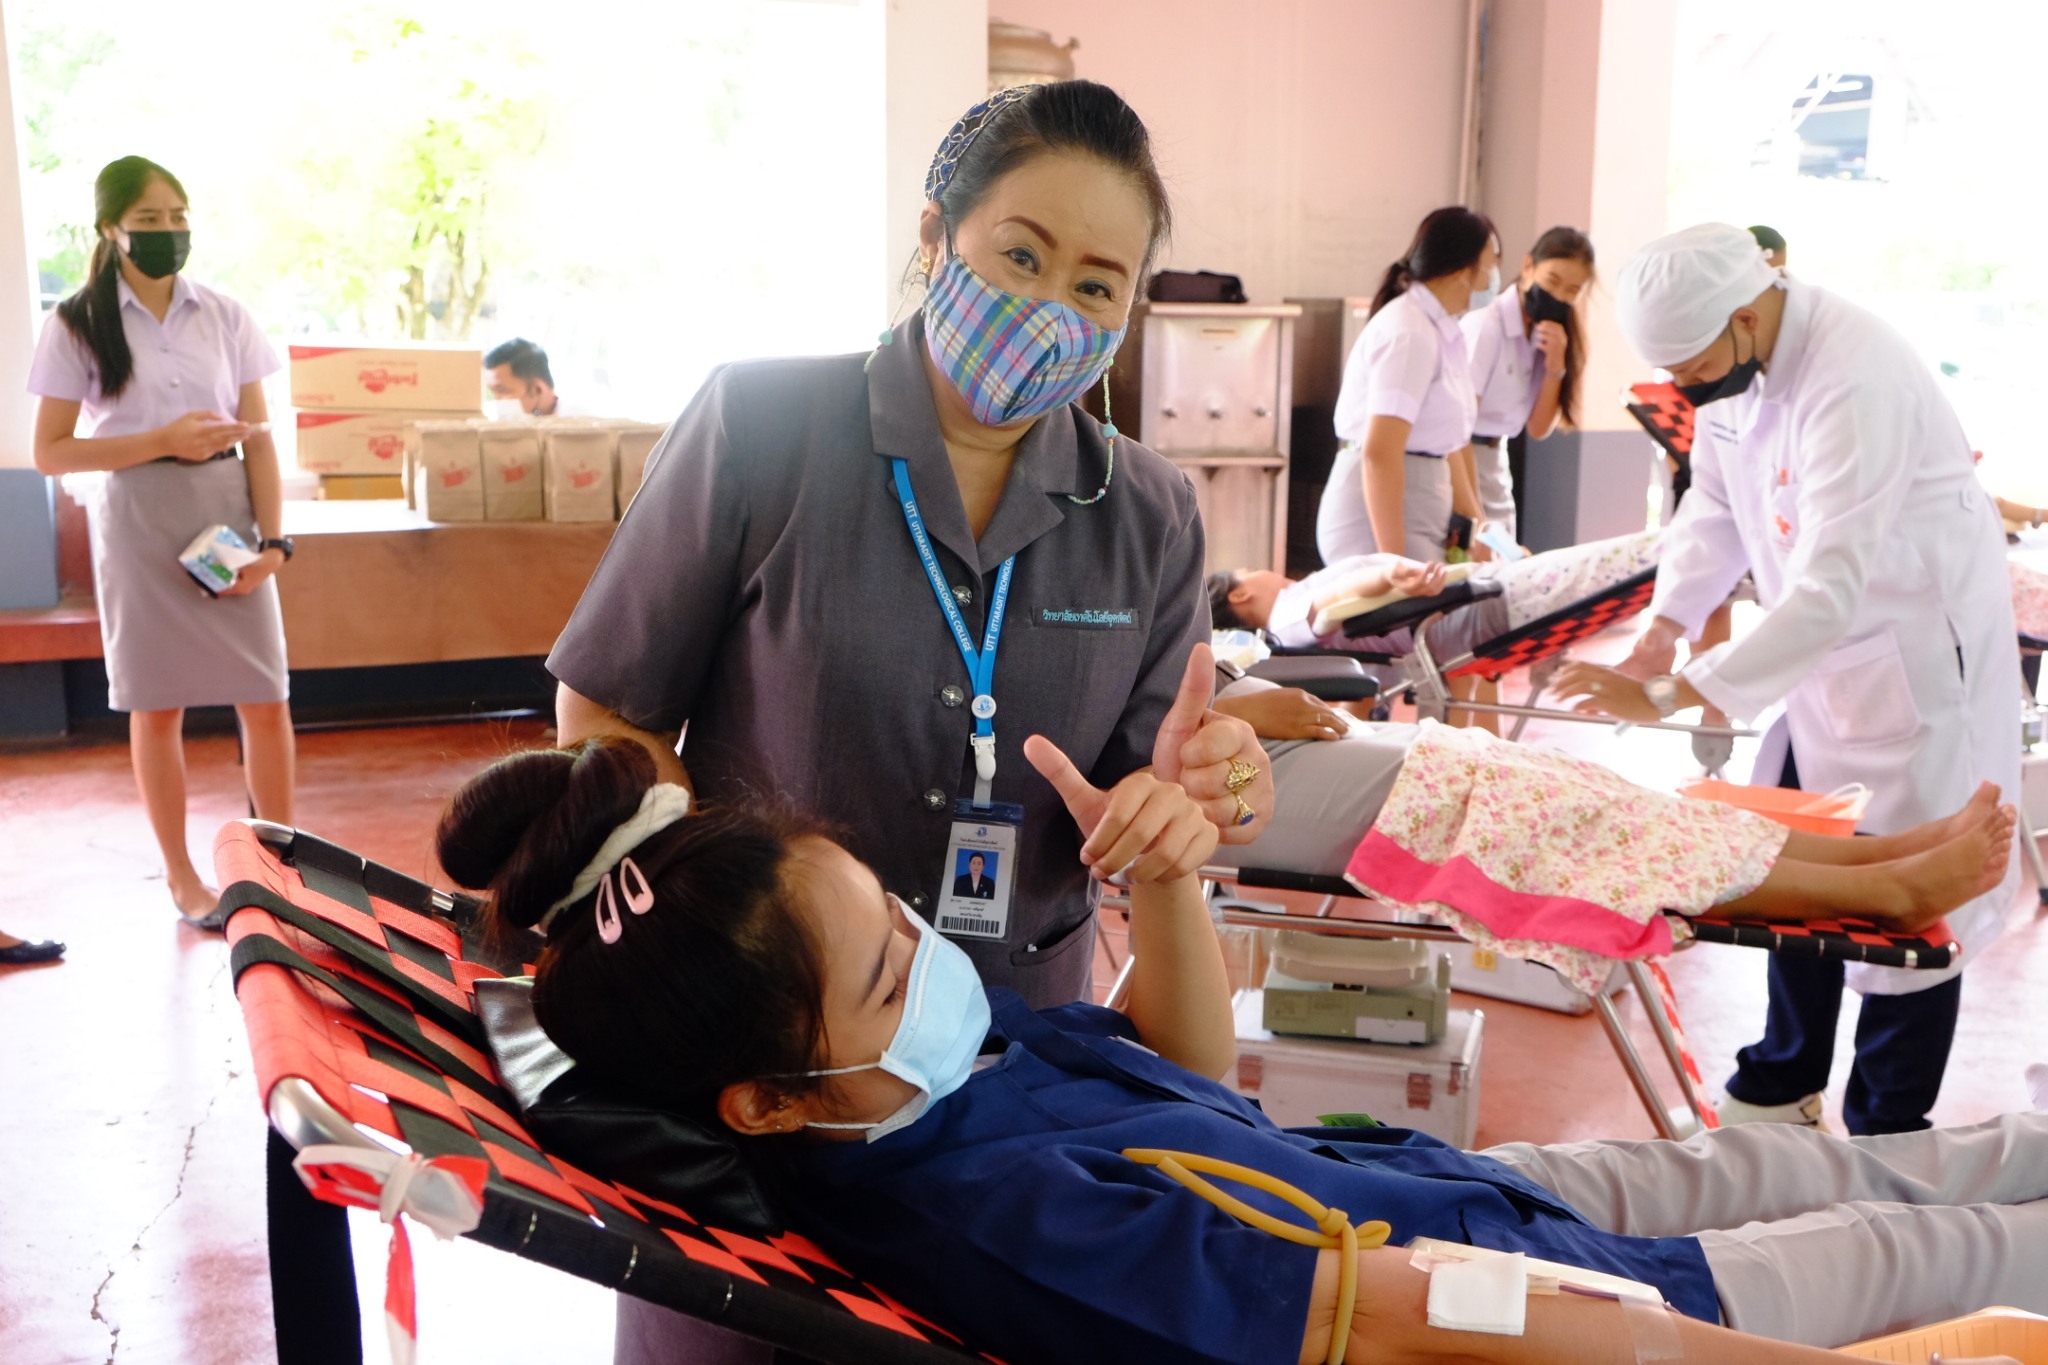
<point x="1245" y="814"/>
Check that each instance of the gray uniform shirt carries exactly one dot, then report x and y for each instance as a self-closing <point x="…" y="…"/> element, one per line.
<point x="765" y="590"/>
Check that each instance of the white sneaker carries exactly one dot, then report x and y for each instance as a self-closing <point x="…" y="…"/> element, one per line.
<point x="1804" y="1113"/>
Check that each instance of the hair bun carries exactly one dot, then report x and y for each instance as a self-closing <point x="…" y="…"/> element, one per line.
<point x="525" y="826"/>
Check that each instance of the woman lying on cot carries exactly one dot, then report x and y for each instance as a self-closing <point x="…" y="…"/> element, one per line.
<point x="1558" y="860"/>
<point x="740" y="962"/>
<point x="1312" y="611"/>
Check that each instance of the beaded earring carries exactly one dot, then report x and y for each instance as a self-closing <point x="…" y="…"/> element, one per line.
<point x="1109" y="435"/>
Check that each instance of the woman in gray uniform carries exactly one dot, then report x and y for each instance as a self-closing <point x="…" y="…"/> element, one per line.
<point x="862" y="581"/>
<point x="168" y="376"/>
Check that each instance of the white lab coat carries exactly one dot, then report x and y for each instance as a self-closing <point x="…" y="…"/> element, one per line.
<point x="1842" y="481"/>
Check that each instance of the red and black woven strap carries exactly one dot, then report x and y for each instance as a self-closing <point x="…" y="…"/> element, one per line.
<point x="1665" y="414"/>
<point x="1847" y="940"/>
<point x="1559" y="630"/>
<point x="358" y="994"/>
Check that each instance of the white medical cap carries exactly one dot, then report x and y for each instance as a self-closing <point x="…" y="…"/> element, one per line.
<point x="1676" y="293"/>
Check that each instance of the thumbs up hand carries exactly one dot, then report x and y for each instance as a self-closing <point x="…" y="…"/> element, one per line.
<point x="1196" y="747"/>
<point x="1144" y="827"/>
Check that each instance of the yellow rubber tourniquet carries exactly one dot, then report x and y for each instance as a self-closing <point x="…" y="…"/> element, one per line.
<point x="1332" y="1226"/>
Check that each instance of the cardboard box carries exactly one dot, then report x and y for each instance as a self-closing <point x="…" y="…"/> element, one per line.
<point x="448" y="471"/>
<point x="361" y="487"/>
<point x="355" y="442"/>
<point x="1433" y="1089"/>
<point x="512" y="471"/>
<point x="388" y="378"/>
<point x="577" y="459"/>
<point x="1484" y="972"/>
<point x="636" y="442"/>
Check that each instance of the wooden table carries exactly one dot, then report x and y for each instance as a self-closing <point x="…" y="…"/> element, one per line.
<point x="373" y="583"/>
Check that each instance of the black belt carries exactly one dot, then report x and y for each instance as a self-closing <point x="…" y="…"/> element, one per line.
<point x="1427" y="454"/>
<point x="227" y="454"/>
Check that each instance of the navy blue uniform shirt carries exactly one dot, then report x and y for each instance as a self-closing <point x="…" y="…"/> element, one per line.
<point x="1009" y="1214"/>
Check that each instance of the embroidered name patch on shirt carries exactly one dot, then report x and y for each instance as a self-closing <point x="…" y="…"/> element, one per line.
<point x="1089" y="618"/>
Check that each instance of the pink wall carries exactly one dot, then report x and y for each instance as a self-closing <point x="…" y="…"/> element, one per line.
<point x="1301" y="139"/>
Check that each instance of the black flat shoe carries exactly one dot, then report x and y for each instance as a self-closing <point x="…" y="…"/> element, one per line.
<point x="25" y="954"/>
<point x="214" y="921"/>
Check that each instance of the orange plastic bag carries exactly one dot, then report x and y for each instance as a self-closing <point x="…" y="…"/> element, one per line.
<point x="1833" y="813"/>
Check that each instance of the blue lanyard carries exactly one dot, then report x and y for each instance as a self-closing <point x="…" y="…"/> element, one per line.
<point x="981" y="664"/>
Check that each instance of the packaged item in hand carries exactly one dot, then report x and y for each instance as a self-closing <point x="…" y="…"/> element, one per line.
<point x="216" y="558"/>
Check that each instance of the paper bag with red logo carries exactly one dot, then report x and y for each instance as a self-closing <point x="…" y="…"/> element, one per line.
<point x="447" y="471"/>
<point x="512" y="472"/>
<point x="636" y="442"/>
<point x="578" y="459"/>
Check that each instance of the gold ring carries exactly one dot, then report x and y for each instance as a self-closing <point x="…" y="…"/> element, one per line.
<point x="1242" y="775"/>
<point x="1245" y="814"/>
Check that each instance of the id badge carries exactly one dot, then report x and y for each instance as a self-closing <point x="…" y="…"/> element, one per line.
<point x="980" y="870"/>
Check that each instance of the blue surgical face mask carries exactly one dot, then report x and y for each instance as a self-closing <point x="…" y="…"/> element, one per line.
<point x="1481" y="298"/>
<point x="1011" y="358"/>
<point x="945" y="1019"/>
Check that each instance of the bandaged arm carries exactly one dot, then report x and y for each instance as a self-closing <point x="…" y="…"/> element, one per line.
<point x="1390" y="1327"/>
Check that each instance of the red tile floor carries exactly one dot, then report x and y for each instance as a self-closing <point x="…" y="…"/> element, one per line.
<point x="131" y="1141"/>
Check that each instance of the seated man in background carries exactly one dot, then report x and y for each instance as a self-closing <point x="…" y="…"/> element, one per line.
<point x="517" y="372"/>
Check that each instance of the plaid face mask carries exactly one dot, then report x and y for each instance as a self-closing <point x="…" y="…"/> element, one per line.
<point x="1012" y="358"/>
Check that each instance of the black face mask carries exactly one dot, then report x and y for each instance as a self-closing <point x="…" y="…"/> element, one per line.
<point x="1728" y="385"/>
<point x="157" y="254"/>
<point x="1543" y="306"/>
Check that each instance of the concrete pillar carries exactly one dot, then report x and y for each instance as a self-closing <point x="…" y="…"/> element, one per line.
<point x="1575" y="129"/>
<point x="934" y="68"/>
<point x="19" y="313"/>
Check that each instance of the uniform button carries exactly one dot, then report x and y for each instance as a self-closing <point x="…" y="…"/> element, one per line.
<point x="935" y="799"/>
<point x="176" y="382"/>
<point x="950" y="695"/>
<point x="963" y="595"/>
<point x="919" y="901"/>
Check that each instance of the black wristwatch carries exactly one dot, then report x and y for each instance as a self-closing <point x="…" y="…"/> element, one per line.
<point x="280" y="543"/>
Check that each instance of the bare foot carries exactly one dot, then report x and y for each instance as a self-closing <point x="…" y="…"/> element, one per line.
<point x="1928" y="885"/>
<point x="1935" y="833"/>
<point x="194" y="898"/>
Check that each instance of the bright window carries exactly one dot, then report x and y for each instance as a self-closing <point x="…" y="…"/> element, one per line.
<point x="1890" y="144"/>
<point x="645" y="189"/>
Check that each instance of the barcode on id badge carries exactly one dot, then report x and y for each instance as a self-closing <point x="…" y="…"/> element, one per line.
<point x="961" y="924"/>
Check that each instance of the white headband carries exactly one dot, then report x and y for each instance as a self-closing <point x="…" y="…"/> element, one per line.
<point x="661" y="806"/>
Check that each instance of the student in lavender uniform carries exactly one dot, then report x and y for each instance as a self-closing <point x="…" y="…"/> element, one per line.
<point x="1527" y="351"/>
<point x="1406" y="404"/>
<point x="168" y="376"/>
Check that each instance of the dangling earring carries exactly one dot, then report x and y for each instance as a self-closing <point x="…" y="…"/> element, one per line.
<point x="1109" y="435"/>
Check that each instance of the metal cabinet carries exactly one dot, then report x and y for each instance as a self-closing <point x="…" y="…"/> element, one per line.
<point x="1209" y="386"/>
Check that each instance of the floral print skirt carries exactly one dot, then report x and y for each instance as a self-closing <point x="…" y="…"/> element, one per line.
<point x="1543" y="856"/>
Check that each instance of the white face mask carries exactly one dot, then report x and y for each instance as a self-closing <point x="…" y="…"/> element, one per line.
<point x="504" y="410"/>
<point x="945" y="1018"/>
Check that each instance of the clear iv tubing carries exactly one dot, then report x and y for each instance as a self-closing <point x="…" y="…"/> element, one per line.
<point x="1333" y="1228"/>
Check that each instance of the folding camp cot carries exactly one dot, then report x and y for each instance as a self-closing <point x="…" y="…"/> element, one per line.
<point x="1848" y="940"/>
<point x="357" y="985"/>
<point x="1538" y="645"/>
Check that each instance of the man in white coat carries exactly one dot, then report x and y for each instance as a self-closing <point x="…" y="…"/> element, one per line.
<point x="1828" y="465"/>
